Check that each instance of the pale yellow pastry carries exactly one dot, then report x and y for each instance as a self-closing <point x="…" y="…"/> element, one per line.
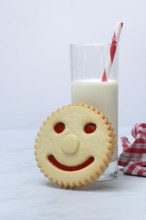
<point x="75" y="145"/>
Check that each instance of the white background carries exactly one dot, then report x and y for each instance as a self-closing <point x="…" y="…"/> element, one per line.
<point x="35" y="62"/>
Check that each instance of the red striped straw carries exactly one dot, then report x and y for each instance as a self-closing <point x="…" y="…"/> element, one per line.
<point x="113" y="48"/>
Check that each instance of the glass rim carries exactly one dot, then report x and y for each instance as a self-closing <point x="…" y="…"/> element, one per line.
<point x="94" y="44"/>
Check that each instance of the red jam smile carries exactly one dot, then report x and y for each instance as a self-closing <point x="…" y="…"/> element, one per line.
<point x="57" y="164"/>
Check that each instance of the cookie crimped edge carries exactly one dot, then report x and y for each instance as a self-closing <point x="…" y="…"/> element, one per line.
<point x="111" y="148"/>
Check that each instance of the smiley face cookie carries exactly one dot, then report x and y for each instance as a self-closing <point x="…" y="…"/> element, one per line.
<point x="75" y="145"/>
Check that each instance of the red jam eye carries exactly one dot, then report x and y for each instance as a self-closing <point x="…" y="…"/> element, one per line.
<point x="90" y="128"/>
<point x="59" y="127"/>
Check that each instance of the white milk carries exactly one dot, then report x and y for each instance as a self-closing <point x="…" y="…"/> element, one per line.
<point x="103" y="95"/>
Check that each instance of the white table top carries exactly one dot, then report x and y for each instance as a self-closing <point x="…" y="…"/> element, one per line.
<point x="26" y="194"/>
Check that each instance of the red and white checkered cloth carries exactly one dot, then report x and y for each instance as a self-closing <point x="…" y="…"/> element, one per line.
<point x="133" y="157"/>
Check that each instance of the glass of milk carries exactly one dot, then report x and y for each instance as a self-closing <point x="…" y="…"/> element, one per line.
<point x="87" y="66"/>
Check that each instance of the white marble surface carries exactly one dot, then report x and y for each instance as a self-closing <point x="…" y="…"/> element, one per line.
<point x="26" y="194"/>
